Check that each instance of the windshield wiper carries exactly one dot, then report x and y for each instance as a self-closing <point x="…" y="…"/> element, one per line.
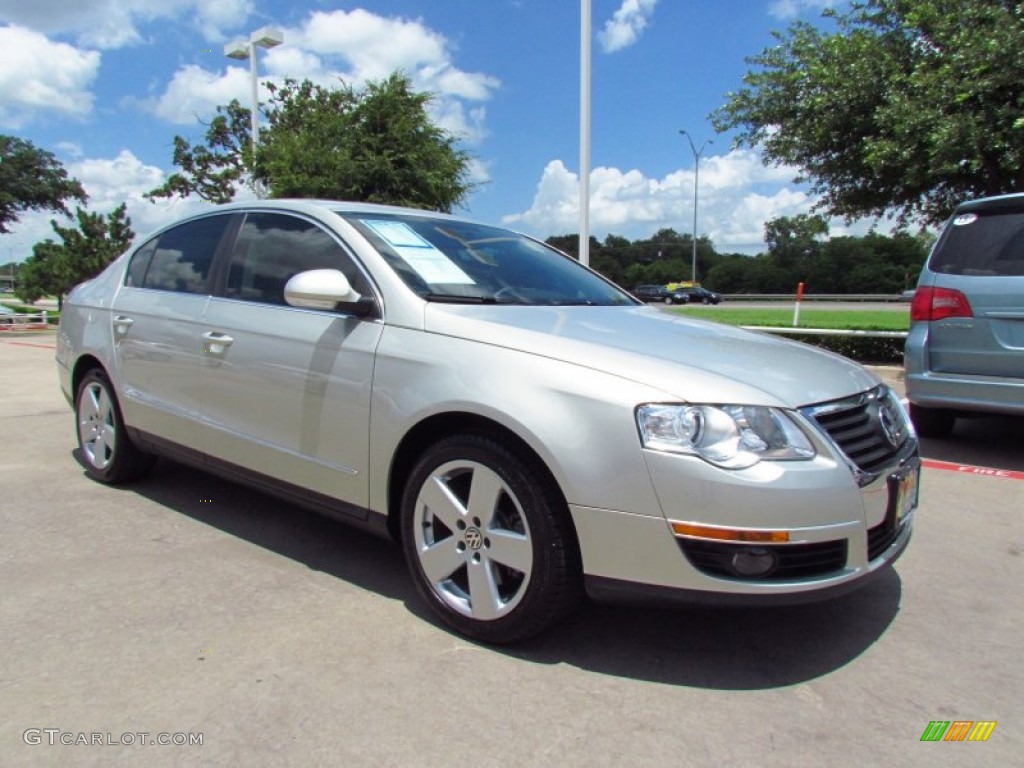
<point x="450" y="298"/>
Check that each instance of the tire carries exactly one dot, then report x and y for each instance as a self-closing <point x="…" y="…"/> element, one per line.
<point x="106" y="449"/>
<point x="488" y="540"/>
<point x="932" y="422"/>
<point x="668" y="299"/>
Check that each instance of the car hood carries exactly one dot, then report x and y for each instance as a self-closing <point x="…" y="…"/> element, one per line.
<point x="689" y="360"/>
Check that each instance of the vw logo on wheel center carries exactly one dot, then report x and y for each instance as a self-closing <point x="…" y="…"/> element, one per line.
<point x="473" y="538"/>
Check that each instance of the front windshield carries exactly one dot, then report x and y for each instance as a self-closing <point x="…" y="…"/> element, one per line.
<point x="456" y="261"/>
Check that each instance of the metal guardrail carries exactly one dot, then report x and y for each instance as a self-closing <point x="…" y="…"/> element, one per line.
<point x="892" y="298"/>
<point x="828" y="332"/>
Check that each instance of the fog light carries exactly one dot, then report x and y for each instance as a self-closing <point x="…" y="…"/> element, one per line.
<point x="754" y="562"/>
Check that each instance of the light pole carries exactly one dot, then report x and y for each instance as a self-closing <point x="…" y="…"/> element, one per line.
<point x="265" y="37"/>
<point x="696" y="176"/>
<point x="584" y="247"/>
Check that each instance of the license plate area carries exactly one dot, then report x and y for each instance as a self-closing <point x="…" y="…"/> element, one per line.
<point x="904" y="489"/>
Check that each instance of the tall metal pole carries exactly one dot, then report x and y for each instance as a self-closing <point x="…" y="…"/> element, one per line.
<point x="265" y="37"/>
<point x="584" y="246"/>
<point x="255" y="98"/>
<point x="696" y="178"/>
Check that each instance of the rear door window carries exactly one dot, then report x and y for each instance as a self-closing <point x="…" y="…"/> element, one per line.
<point x="183" y="256"/>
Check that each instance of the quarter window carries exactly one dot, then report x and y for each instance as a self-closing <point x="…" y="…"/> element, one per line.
<point x="139" y="264"/>
<point x="273" y="247"/>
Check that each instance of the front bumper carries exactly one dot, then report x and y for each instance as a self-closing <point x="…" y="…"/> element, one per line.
<point x="839" y="528"/>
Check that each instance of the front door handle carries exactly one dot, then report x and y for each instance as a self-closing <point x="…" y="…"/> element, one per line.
<point x="122" y="324"/>
<point x="215" y="343"/>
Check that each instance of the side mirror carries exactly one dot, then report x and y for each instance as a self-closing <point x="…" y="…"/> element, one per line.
<point x="323" y="289"/>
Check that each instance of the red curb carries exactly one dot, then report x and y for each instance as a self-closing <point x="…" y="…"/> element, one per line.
<point x="970" y="469"/>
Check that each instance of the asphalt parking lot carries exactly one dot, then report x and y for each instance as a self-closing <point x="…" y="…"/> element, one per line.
<point x="186" y="608"/>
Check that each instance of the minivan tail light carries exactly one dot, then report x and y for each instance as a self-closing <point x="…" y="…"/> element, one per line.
<point x="931" y="304"/>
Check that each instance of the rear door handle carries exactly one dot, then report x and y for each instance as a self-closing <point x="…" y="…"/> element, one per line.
<point x="215" y="343"/>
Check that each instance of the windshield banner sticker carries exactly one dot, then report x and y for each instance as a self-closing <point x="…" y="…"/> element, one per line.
<point x="429" y="263"/>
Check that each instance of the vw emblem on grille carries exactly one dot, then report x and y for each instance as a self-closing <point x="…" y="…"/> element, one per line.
<point x="474" y="539"/>
<point x="891" y="423"/>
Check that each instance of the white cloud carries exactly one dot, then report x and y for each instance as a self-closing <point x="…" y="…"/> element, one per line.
<point x="738" y="194"/>
<point x="214" y="18"/>
<point x="38" y="75"/>
<point x="354" y="47"/>
<point x="194" y="93"/>
<point x="110" y="182"/>
<point x="790" y="9"/>
<point x="115" y="23"/>
<point x="623" y="29"/>
<point x="358" y="46"/>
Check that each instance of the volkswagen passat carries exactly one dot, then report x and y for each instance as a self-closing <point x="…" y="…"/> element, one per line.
<point x="526" y="429"/>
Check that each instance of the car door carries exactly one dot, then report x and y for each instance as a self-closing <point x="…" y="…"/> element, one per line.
<point x="287" y="390"/>
<point x="156" y="319"/>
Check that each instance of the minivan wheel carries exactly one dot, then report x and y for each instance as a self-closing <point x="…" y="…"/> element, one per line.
<point x="107" y="451"/>
<point x="932" y="422"/>
<point x="488" y="540"/>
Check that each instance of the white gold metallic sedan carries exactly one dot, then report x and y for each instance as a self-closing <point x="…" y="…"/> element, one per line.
<point x="528" y="431"/>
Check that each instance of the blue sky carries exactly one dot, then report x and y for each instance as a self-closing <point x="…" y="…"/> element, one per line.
<point x="106" y="84"/>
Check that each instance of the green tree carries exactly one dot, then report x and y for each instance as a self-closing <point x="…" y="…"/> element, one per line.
<point x="54" y="268"/>
<point x="906" y="107"/>
<point x="375" y="145"/>
<point x="32" y="179"/>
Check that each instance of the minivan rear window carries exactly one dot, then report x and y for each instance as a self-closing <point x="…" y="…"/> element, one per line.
<point x="982" y="244"/>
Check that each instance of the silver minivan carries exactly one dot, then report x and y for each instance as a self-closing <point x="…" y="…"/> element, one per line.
<point x="965" y="351"/>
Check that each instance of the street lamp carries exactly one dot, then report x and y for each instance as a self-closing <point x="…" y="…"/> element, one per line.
<point x="696" y="176"/>
<point x="265" y="37"/>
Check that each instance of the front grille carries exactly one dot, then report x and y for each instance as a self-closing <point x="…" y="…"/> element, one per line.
<point x="869" y="428"/>
<point x="795" y="561"/>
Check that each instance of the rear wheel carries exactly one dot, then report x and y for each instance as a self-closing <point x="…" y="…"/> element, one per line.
<point x="108" y="453"/>
<point x="932" y="422"/>
<point x="488" y="540"/>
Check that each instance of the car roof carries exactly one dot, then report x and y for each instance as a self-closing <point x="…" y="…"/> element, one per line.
<point x="320" y="205"/>
<point x="1012" y="202"/>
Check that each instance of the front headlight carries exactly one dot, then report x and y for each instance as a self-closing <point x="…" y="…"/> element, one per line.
<point x="729" y="436"/>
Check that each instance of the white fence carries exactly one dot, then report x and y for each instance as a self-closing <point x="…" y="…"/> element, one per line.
<point x="25" y="322"/>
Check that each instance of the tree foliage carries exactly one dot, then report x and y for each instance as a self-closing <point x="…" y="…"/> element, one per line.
<point x="55" y="268"/>
<point x="32" y="179"/>
<point x="375" y="145"/>
<point x="212" y="171"/>
<point x="905" y="107"/>
<point x="798" y="251"/>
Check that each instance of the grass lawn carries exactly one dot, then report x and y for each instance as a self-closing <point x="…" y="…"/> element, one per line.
<point x="859" y="320"/>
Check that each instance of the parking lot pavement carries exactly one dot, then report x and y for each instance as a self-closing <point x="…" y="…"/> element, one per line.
<point x="185" y="607"/>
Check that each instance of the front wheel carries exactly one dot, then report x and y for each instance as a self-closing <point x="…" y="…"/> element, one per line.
<point x="488" y="540"/>
<point x="108" y="453"/>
